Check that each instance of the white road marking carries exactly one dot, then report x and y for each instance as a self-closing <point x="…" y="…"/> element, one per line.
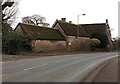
<point x="3" y="75"/>
<point x="58" y="61"/>
<point x="113" y="56"/>
<point x="29" y="68"/>
<point x="35" y="67"/>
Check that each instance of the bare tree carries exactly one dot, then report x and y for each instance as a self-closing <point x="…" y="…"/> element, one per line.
<point x="27" y="20"/>
<point x="35" y="19"/>
<point x="9" y="11"/>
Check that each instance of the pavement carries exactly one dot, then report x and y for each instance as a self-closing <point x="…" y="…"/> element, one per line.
<point x="65" y="68"/>
<point x="107" y="72"/>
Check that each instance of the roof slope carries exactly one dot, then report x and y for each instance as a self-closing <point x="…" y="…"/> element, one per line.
<point x="41" y="33"/>
<point x="71" y="29"/>
<point x="94" y="28"/>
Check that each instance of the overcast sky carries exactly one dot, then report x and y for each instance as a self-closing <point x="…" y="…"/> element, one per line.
<point x="97" y="11"/>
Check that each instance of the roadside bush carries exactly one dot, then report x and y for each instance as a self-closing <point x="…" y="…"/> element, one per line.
<point x="14" y="43"/>
<point x="94" y="42"/>
<point x="102" y="38"/>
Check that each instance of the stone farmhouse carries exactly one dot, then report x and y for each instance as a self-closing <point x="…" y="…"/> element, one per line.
<point x="100" y="31"/>
<point x="65" y="36"/>
<point x="76" y="37"/>
<point x="42" y="38"/>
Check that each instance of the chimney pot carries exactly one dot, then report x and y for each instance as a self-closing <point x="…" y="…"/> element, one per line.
<point x="70" y="22"/>
<point x="63" y="19"/>
<point x="106" y="20"/>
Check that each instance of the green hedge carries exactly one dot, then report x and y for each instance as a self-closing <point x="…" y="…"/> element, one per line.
<point x="14" y="43"/>
<point x="102" y="37"/>
<point x="94" y="43"/>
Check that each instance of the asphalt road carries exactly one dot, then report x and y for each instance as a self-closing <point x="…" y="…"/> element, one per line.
<point x="65" y="68"/>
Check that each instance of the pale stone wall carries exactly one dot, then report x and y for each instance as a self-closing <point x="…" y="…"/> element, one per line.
<point x="47" y="45"/>
<point x="81" y="44"/>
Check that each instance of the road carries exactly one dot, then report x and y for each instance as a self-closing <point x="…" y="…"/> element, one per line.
<point x="65" y="68"/>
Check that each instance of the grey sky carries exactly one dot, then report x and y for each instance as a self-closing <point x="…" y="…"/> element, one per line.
<point x="97" y="11"/>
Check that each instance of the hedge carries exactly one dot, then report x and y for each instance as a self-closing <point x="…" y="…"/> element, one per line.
<point x="14" y="43"/>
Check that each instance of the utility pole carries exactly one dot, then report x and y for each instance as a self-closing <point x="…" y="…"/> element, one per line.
<point x="77" y="36"/>
<point x="78" y="25"/>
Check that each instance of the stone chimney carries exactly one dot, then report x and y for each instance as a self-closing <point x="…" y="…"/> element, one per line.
<point x="63" y="19"/>
<point x="106" y="20"/>
<point x="70" y="22"/>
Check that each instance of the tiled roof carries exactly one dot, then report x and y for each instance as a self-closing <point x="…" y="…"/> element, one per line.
<point x="94" y="28"/>
<point x="71" y="29"/>
<point x="41" y="33"/>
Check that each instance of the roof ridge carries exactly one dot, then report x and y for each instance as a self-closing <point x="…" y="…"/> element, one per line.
<point x="92" y="24"/>
<point x="34" y="25"/>
<point x="66" y="22"/>
<point x="80" y="24"/>
<point x="39" y="26"/>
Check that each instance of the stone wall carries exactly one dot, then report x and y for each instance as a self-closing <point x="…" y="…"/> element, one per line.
<point x="80" y="44"/>
<point x="48" y="45"/>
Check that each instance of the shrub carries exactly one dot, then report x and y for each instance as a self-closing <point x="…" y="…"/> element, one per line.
<point x="14" y="43"/>
<point x="94" y="42"/>
<point x="102" y="38"/>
